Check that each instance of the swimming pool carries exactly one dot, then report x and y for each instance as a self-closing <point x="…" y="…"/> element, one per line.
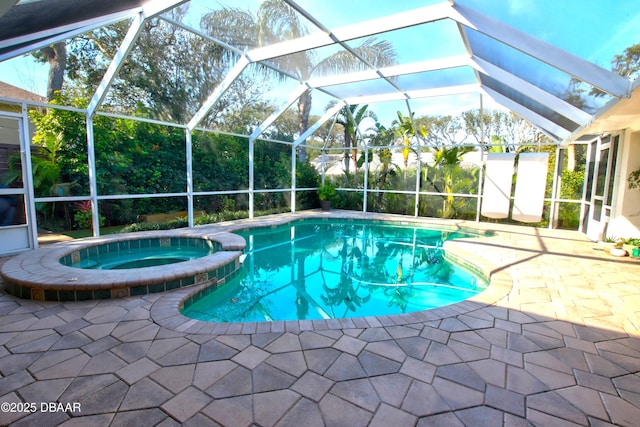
<point x="313" y="269"/>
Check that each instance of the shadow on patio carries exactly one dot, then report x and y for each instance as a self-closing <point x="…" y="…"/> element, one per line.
<point x="562" y="348"/>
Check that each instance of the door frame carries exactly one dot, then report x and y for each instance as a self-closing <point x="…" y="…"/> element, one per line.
<point x="20" y="237"/>
<point x="603" y="172"/>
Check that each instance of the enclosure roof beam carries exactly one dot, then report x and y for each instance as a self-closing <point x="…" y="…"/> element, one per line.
<point x="443" y="91"/>
<point x="277" y="113"/>
<point x="371" y="99"/>
<point x="203" y="35"/>
<point x="327" y="115"/>
<point x="417" y="16"/>
<point x="39" y="38"/>
<point x="552" y="129"/>
<point x="573" y="65"/>
<point x="392" y="71"/>
<point x="149" y="10"/>
<point x="231" y="76"/>
<point x="156" y="7"/>
<point x="428" y="65"/>
<point x="532" y="91"/>
<point x="340" y="42"/>
<point x="116" y="64"/>
<point x="339" y="79"/>
<point x="27" y="44"/>
<point x="416" y="94"/>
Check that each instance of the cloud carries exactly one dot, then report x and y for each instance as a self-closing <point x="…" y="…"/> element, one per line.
<point x="624" y="38"/>
<point x="522" y="8"/>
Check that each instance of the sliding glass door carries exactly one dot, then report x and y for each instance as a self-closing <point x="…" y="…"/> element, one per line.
<point x="602" y="187"/>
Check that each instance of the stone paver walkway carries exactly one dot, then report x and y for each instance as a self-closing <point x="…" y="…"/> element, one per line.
<point x="561" y="348"/>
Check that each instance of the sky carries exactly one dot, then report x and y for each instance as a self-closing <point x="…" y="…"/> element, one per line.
<point x="595" y="30"/>
<point x="592" y="29"/>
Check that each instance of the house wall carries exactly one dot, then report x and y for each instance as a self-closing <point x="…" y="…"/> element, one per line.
<point x="625" y="215"/>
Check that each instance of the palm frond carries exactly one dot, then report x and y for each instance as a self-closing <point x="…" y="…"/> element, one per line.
<point x="234" y="26"/>
<point x="278" y="21"/>
<point x="378" y="53"/>
<point x="337" y="63"/>
<point x="363" y="112"/>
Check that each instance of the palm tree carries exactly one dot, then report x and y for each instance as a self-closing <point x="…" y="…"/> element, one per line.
<point x="405" y="128"/>
<point x="351" y="117"/>
<point x="383" y="137"/>
<point x="448" y="159"/>
<point x="276" y="21"/>
<point x="47" y="169"/>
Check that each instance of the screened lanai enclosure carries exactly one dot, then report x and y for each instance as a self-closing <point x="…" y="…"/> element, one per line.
<point x="147" y="114"/>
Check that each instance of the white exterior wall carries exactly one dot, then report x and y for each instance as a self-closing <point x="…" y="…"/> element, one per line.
<point x="625" y="213"/>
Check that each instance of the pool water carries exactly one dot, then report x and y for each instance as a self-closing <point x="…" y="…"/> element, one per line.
<point x="142" y="257"/>
<point x="313" y="269"/>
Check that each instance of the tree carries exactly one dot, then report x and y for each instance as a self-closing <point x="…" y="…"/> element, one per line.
<point x="445" y="137"/>
<point x="276" y="21"/>
<point x="443" y="130"/>
<point x="495" y="126"/>
<point x="56" y="56"/>
<point x="57" y="161"/>
<point x="89" y="55"/>
<point x="634" y="179"/>
<point x="245" y="119"/>
<point x="627" y="64"/>
<point x="168" y="74"/>
<point x="447" y="159"/>
<point x="516" y="130"/>
<point x="351" y="117"/>
<point x="478" y="124"/>
<point x="404" y="127"/>
<point x="383" y="138"/>
<point x="171" y="72"/>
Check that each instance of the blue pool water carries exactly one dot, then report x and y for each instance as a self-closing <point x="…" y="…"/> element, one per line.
<point x="141" y="257"/>
<point x="313" y="269"/>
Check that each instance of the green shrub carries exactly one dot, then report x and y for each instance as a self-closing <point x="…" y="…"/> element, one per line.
<point x="200" y="220"/>
<point x="141" y="226"/>
<point x="327" y="191"/>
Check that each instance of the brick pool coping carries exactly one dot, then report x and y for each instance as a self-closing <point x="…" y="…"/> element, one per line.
<point x="166" y="311"/>
<point x="39" y="274"/>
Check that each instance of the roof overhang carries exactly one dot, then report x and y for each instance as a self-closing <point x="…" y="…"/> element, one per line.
<point x="619" y="114"/>
<point x="30" y="24"/>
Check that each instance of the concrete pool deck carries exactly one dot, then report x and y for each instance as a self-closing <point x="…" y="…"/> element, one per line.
<point x="560" y="347"/>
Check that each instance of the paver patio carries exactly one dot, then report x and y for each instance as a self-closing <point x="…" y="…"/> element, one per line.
<point x="562" y="347"/>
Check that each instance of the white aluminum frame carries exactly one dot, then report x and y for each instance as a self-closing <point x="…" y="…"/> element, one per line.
<point x="565" y="62"/>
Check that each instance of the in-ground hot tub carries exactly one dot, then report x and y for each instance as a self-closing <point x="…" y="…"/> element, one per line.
<point x="138" y="253"/>
<point x="124" y="265"/>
